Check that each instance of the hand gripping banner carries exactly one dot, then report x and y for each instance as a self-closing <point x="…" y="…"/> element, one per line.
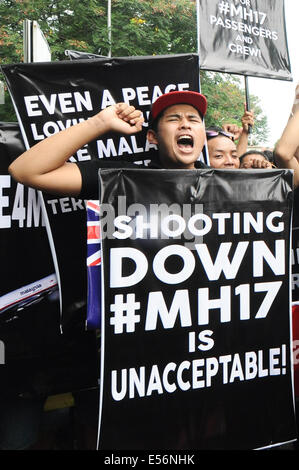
<point x="196" y="314"/>
<point x="246" y="37"/>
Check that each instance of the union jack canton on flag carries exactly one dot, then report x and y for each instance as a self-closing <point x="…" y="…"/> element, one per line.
<point x="93" y="319"/>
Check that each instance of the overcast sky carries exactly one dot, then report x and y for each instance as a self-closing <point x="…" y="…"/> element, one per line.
<point x="277" y="96"/>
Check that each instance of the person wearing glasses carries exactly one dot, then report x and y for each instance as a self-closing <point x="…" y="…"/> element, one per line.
<point x="222" y="149"/>
<point x="227" y="143"/>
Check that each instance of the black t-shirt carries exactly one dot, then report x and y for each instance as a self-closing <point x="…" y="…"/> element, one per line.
<point x="89" y="173"/>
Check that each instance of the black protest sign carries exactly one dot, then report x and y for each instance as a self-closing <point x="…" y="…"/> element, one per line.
<point x="27" y="270"/>
<point x="48" y="102"/>
<point x="196" y="347"/>
<point x="246" y="37"/>
<point x="50" y="97"/>
<point x="295" y="288"/>
<point x="39" y="360"/>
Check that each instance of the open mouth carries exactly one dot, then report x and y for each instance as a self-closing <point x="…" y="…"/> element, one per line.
<point x="185" y="142"/>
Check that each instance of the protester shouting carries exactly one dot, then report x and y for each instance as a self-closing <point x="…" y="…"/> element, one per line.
<point x="175" y="126"/>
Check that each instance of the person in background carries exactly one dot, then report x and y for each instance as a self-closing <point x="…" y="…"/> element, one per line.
<point x="269" y="154"/>
<point x="227" y="143"/>
<point x="222" y="149"/>
<point x="255" y="159"/>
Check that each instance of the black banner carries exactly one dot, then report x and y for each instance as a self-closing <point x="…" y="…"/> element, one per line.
<point x="246" y="37"/>
<point x="196" y="350"/>
<point x="27" y="270"/>
<point x="49" y="97"/>
<point x="38" y="359"/>
<point x="295" y="289"/>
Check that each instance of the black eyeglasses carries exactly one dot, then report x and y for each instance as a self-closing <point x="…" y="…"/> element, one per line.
<point x="211" y="134"/>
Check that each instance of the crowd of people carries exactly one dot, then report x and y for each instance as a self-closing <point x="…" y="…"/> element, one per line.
<point x="176" y="127"/>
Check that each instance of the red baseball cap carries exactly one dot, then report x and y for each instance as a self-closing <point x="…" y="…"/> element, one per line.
<point x="195" y="99"/>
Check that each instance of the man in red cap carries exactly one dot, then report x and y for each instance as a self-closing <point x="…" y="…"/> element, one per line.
<point x="175" y="126"/>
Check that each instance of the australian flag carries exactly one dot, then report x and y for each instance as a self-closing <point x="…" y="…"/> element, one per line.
<point x="93" y="319"/>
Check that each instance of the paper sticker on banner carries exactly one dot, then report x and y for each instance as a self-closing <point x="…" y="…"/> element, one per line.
<point x="26" y="295"/>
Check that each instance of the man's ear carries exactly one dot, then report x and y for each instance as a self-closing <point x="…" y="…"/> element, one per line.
<point x="152" y="137"/>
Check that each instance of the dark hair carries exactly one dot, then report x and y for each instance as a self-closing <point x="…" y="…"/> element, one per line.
<point x="214" y="128"/>
<point x="153" y="124"/>
<point x="254" y="152"/>
<point x="269" y="154"/>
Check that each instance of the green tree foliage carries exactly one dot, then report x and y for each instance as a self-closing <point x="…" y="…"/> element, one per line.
<point x="226" y="103"/>
<point x="139" y="27"/>
<point x="153" y="27"/>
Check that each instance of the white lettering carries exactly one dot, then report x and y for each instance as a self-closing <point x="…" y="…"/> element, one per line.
<point x="156" y="306"/>
<point x="4" y="201"/>
<point x="116" y="263"/>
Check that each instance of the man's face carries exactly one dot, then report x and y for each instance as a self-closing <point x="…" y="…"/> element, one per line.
<point x="223" y="153"/>
<point x="247" y="161"/>
<point x="180" y="136"/>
